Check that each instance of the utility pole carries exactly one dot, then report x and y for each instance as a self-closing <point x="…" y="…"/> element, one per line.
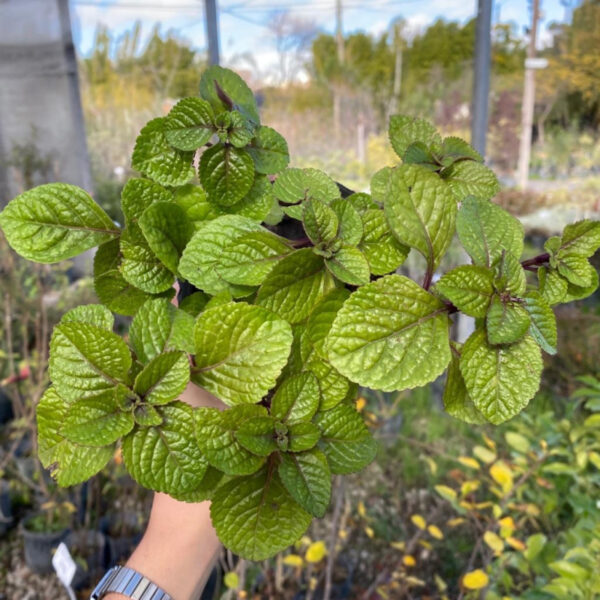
<point x="528" y="102"/>
<point x="481" y="79"/>
<point x="212" y="31"/>
<point x="337" y="85"/>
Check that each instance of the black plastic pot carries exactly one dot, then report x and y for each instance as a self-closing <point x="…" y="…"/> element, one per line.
<point x="121" y="546"/>
<point x="40" y="546"/>
<point x="6" y="409"/>
<point x="6" y="516"/>
<point x="91" y="546"/>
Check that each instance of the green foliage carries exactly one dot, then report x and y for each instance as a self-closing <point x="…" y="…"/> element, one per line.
<point x="281" y="330"/>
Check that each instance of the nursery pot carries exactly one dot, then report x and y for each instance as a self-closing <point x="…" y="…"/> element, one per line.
<point x="90" y="546"/>
<point x="123" y="533"/>
<point x="39" y="547"/>
<point x="6" y="516"/>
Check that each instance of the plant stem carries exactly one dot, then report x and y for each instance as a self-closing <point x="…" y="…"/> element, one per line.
<point x="532" y="264"/>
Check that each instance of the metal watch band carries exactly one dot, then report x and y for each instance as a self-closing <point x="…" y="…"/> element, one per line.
<point x="126" y="581"/>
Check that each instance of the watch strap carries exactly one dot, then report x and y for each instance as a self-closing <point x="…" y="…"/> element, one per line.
<point x="129" y="582"/>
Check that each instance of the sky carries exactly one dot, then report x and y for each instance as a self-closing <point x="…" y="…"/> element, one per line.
<point x="242" y="23"/>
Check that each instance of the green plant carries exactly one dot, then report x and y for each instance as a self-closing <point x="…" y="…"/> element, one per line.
<point x="54" y="516"/>
<point x="281" y="329"/>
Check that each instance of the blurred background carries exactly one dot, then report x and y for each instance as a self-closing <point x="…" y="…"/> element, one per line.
<point x="447" y="510"/>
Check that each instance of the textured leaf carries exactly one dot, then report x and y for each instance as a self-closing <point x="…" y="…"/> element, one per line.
<point x="204" y="490"/>
<point x="303" y="436"/>
<point x="334" y="386"/>
<point x="381" y="249"/>
<point x="269" y="151"/>
<point x="543" y="322"/>
<point x="166" y="458"/>
<point x="97" y="420"/>
<point x="456" y="398"/>
<point x="470" y="178"/>
<point x="345" y="440"/>
<point x="390" y="335"/>
<point x="362" y="202"/>
<point x="576" y="270"/>
<point x="580" y="239"/>
<point x="320" y="221"/>
<point x="167" y="231"/>
<point x="94" y="314"/>
<point x="420" y="211"/>
<point x="194" y="201"/>
<point x="485" y="230"/>
<point x="138" y="194"/>
<point x="307" y="478"/>
<point x="506" y="321"/>
<point x="349" y="265"/>
<point x="86" y="360"/>
<point x="575" y="292"/>
<point x="226" y="173"/>
<point x="146" y="415"/>
<point x="189" y="124"/>
<point x="455" y="148"/>
<point x="404" y="131"/>
<point x="552" y="286"/>
<point x="240" y="352"/>
<point x="296" y="399"/>
<point x="322" y="317"/>
<point x="234" y="129"/>
<point x="163" y="378"/>
<point x="297" y="185"/>
<point x="70" y="463"/>
<point x="257" y="435"/>
<point x="351" y="226"/>
<point x="419" y="154"/>
<point x="469" y="288"/>
<point x="215" y="433"/>
<point x="155" y="157"/>
<point x="510" y="275"/>
<point x="295" y="286"/>
<point x="55" y="221"/>
<point x="256" y="517"/>
<point x="140" y="266"/>
<point x="500" y="379"/>
<point x="194" y="304"/>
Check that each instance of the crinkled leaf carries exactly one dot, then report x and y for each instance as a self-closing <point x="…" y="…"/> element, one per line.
<point x="575" y="292"/>
<point x="296" y="185"/>
<point x="510" y="275"/>
<point x="296" y="399"/>
<point x="307" y="478"/>
<point x="240" y="351"/>
<point x="346" y="441"/>
<point x="320" y="221"/>
<point x="303" y="436"/>
<point x="94" y="314"/>
<point x="204" y="490"/>
<point x="256" y="517"/>
<point x="470" y="178"/>
<point x="500" y="379"/>
<point x="189" y="124"/>
<point x="138" y="194"/>
<point x="553" y="286"/>
<point x="146" y="415"/>
<point x="349" y="265"/>
<point x="163" y="378"/>
<point x="322" y="317"/>
<point x="390" y="335"/>
<point x="506" y="321"/>
<point x="194" y="304"/>
<point x="351" y="227"/>
<point x="234" y="129"/>
<point x="362" y="202"/>
<point x="86" y="360"/>
<point x="257" y="435"/>
<point x="580" y="239"/>
<point x="455" y="148"/>
<point x="575" y="269"/>
<point x="469" y="288"/>
<point x="269" y="151"/>
<point x="334" y="386"/>
<point x="419" y="154"/>
<point x="55" y="221"/>
<point x="404" y="131"/>
<point x="295" y="286"/>
<point x="154" y="156"/>
<point x="543" y="322"/>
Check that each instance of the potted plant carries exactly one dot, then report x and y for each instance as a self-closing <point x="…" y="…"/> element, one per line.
<point x="282" y="328"/>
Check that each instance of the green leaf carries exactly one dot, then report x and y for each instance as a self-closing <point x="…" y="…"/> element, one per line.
<point x="580" y="239"/>
<point x="362" y="202"/>
<point x="257" y="435"/>
<point x="390" y="335"/>
<point x="70" y="463"/>
<point x="97" y="420"/>
<point x="381" y="249"/>
<point x="86" y="360"/>
<point x="234" y="87"/>
<point x="256" y="204"/>
<point x="234" y="129"/>
<point x="194" y="304"/>
<point x="553" y="286"/>
<point x="500" y="379"/>
<point x="55" y="221"/>
<point x="138" y="194"/>
<point x="163" y="378"/>
<point x="94" y="314"/>
<point x="543" y="322"/>
<point x="506" y="321"/>
<point x="297" y="185"/>
<point x="455" y="148"/>
<point x="470" y="178"/>
<point x="419" y="154"/>
<point x="307" y="478"/>
<point x="420" y="211"/>
<point x="322" y="317"/>
<point x="469" y="288"/>
<point x="576" y="269"/>
<point x="240" y="352"/>
<point x="269" y="151"/>
<point x="166" y="458"/>
<point x="303" y="436"/>
<point x="404" y="131"/>
<point x="349" y="265"/>
<point x="351" y="227"/>
<point x="346" y="441"/>
<point x="334" y="386"/>
<point x="205" y="489"/>
<point x="146" y="415"/>
<point x="485" y="231"/>
<point x="575" y="292"/>
<point x="295" y="286"/>
<point x="215" y="434"/>
<point x="140" y="266"/>
<point x="189" y="124"/>
<point x="256" y="517"/>
<point x="320" y="221"/>
<point x="456" y="398"/>
<point x="155" y="157"/>
<point x="167" y="231"/>
<point x="194" y="201"/>
<point x="296" y="399"/>
<point x="510" y="275"/>
<point x="226" y="173"/>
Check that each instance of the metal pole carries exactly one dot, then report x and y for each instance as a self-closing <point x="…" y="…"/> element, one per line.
<point x="528" y="104"/>
<point x="481" y="75"/>
<point x="212" y="31"/>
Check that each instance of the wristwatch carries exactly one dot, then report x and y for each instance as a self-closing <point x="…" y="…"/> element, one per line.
<point x="128" y="582"/>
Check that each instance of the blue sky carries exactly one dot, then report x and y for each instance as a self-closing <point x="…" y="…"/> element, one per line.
<point x="242" y="22"/>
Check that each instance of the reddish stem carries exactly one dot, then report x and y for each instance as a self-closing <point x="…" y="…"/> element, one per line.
<point x="532" y="264"/>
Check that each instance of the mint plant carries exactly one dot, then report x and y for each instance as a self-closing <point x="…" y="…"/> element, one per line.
<point x="281" y="328"/>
